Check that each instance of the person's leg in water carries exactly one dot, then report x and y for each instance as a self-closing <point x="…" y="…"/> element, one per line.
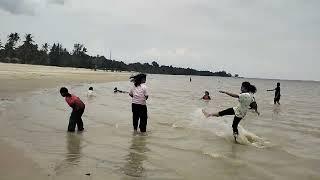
<point x="143" y="119"/>
<point x="72" y="122"/>
<point x="79" y="120"/>
<point x="235" y="124"/>
<point x="277" y="101"/>
<point x="135" y="116"/>
<point x="229" y="111"/>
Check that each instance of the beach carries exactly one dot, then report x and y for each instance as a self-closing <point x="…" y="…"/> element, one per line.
<point x="282" y="143"/>
<point x="20" y="78"/>
<point x="17" y="80"/>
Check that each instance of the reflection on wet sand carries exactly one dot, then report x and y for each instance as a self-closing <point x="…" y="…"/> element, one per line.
<point x="276" y="112"/>
<point x="137" y="154"/>
<point x="73" y="154"/>
<point x="74" y="148"/>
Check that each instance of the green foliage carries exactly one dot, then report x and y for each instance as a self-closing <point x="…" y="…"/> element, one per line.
<point x="9" y="48"/>
<point x="29" y="53"/>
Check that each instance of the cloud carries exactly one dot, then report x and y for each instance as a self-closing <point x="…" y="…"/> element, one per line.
<point x="26" y="7"/>
<point x="18" y="6"/>
<point x="59" y="2"/>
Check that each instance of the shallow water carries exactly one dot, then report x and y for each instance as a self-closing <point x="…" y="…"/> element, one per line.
<point x="282" y="143"/>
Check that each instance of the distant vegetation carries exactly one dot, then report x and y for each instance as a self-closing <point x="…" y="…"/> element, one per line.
<point x="56" y="55"/>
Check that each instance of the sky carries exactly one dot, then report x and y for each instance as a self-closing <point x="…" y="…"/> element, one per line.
<point x="277" y="39"/>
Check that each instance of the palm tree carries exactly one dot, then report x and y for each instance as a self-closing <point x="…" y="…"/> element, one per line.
<point x="155" y="64"/>
<point x="45" y="48"/>
<point x="13" y="38"/>
<point x="28" y="52"/>
<point x="77" y="49"/>
<point x="28" y="39"/>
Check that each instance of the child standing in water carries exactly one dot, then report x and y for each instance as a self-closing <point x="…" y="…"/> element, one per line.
<point x="90" y="92"/>
<point x="246" y="101"/>
<point x="77" y="110"/>
<point x="276" y="94"/>
<point x="139" y="96"/>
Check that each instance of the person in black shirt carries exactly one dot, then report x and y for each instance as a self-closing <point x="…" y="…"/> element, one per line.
<point x="116" y="90"/>
<point x="276" y="94"/>
<point x="206" y="96"/>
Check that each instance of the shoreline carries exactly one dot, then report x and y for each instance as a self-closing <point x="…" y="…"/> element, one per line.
<point x="17" y="80"/>
<point x="21" y="78"/>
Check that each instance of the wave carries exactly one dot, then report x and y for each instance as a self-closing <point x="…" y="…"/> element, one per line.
<point x="222" y="127"/>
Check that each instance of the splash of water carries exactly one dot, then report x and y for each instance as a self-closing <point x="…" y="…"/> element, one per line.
<point x="222" y="127"/>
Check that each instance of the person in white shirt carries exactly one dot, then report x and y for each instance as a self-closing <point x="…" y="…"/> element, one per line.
<point x="90" y="92"/>
<point x="139" y="96"/>
<point x="246" y="101"/>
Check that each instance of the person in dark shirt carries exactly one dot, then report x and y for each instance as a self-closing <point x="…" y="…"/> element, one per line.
<point x="277" y="94"/>
<point x="116" y="90"/>
<point x="206" y="96"/>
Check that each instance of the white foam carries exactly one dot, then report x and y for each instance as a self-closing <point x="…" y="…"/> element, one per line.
<point x="222" y="127"/>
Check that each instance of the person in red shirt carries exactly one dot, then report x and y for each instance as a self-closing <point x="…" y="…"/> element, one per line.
<point x="77" y="110"/>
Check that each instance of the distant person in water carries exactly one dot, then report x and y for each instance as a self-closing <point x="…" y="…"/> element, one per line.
<point x="277" y="94"/>
<point x="206" y="96"/>
<point x="190" y="79"/>
<point x="139" y="96"/>
<point x="116" y="90"/>
<point x="77" y="110"/>
<point x="246" y="101"/>
<point x="90" y="92"/>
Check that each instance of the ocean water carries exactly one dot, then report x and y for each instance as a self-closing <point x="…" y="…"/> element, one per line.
<point x="282" y="143"/>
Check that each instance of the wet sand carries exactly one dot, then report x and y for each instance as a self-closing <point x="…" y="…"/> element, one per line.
<point x="14" y="165"/>
<point x="17" y="80"/>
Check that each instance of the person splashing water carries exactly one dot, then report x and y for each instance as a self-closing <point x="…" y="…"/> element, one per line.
<point x="246" y="101"/>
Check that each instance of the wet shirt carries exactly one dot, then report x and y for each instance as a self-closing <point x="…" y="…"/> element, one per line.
<point x="245" y="99"/>
<point x="90" y="93"/>
<point x="75" y="102"/>
<point x="277" y="93"/>
<point x="139" y="94"/>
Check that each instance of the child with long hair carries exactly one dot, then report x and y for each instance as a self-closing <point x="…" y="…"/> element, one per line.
<point x="139" y="96"/>
<point x="246" y="101"/>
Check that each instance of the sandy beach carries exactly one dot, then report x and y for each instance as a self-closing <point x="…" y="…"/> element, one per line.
<point x="20" y="78"/>
<point x="17" y="80"/>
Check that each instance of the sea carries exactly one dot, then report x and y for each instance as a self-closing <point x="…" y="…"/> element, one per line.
<point x="282" y="143"/>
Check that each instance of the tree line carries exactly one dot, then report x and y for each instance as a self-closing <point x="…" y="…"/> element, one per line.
<point x="56" y="55"/>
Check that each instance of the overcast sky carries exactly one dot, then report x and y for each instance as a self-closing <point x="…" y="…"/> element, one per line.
<point x="254" y="38"/>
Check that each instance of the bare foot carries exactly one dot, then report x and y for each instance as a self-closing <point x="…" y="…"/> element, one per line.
<point x="144" y="134"/>
<point x="135" y="132"/>
<point x="205" y="113"/>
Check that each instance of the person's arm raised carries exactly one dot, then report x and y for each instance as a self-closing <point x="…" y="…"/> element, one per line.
<point x="271" y="89"/>
<point x="230" y="94"/>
